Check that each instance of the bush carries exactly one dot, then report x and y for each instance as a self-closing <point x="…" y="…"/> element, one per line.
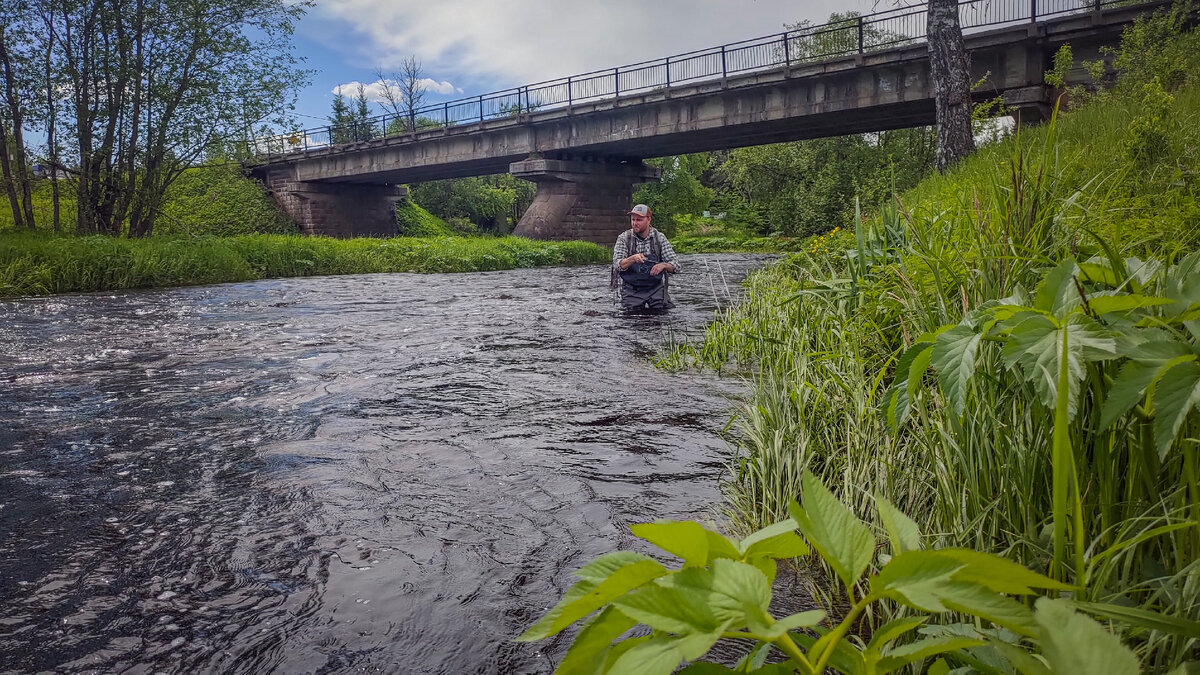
<point x="415" y="221"/>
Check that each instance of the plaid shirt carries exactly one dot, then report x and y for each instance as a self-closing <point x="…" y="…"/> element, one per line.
<point x="643" y="246"/>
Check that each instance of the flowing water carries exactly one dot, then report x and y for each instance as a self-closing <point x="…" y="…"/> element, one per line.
<point x="379" y="473"/>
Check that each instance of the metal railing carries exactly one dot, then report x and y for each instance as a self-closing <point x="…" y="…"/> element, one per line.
<point x="856" y="35"/>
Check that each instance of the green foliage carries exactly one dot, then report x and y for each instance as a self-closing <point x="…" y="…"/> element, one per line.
<point x="415" y="221"/>
<point x="485" y="201"/>
<point x="809" y="187"/>
<point x="1149" y="133"/>
<point x="40" y="263"/>
<point x="679" y="193"/>
<point x="219" y="199"/>
<point x="723" y="591"/>
<point x="1064" y="60"/>
<point x="1057" y="431"/>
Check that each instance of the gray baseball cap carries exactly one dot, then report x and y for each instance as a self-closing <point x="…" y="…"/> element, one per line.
<point x="641" y="210"/>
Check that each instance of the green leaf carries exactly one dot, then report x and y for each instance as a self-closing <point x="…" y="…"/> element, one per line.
<point x="1023" y="661"/>
<point x="1164" y="623"/>
<point x="909" y="371"/>
<point x="922" y="649"/>
<point x="999" y="574"/>
<point x="791" y="622"/>
<point x="916" y="578"/>
<point x="589" y="595"/>
<point x="705" y="668"/>
<point x="954" y="362"/>
<point x="1189" y="668"/>
<point x="603" y="567"/>
<point x="700" y="581"/>
<point x="1182" y="284"/>
<point x="1177" y="392"/>
<point x="656" y="656"/>
<point x="587" y="651"/>
<point x="672" y="609"/>
<point x="685" y="539"/>
<point x="721" y="547"/>
<point x="843" y="541"/>
<point x="978" y="601"/>
<point x="902" y="531"/>
<point x="1073" y="643"/>
<point x="1036" y="344"/>
<point x="1150" y="361"/>
<point x="892" y="630"/>
<point x="777" y="541"/>
<point x="1107" y="304"/>
<point x="741" y="582"/>
<point x="1057" y="294"/>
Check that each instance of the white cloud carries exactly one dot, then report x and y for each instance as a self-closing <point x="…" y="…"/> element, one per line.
<point x="376" y="91"/>
<point x="525" y="41"/>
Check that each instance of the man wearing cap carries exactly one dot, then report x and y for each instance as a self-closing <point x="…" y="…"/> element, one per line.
<point x="643" y="259"/>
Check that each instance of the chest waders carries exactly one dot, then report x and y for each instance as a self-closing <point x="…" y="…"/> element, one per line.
<point x="639" y="288"/>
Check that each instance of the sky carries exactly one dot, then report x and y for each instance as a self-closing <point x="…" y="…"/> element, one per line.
<point x="472" y="47"/>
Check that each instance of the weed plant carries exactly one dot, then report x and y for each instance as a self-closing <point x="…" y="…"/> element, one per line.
<point x="961" y="357"/>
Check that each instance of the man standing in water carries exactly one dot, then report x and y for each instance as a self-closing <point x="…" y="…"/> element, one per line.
<point x="643" y="259"/>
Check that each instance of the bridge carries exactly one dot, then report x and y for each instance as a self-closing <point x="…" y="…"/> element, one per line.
<point x="583" y="139"/>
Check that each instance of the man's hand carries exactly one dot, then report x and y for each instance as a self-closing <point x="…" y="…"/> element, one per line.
<point x="635" y="258"/>
<point x="660" y="268"/>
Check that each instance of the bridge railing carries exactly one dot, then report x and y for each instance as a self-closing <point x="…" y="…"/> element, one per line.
<point x="853" y="35"/>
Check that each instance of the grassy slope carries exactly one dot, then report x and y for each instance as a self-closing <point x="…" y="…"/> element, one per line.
<point x="821" y="332"/>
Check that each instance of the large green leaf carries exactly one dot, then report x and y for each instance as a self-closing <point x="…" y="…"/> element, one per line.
<point x="922" y="649"/>
<point x="909" y="372"/>
<point x="685" y="539"/>
<point x="1182" y="284"/>
<point x="1150" y="361"/>
<point x="793" y="622"/>
<point x="1107" y="304"/>
<point x="603" y="567"/>
<point x="672" y="609"/>
<point x="1177" y="393"/>
<point x="902" y="531"/>
<point x="1057" y="293"/>
<point x="1037" y="343"/>
<point x="721" y="547"/>
<point x="976" y="600"/>
<point x="587" y="651"/>
<point x="776" y="541"/>
<point x="656" y="656"/>
<point x="954" y="361"/>
<point x="998" y="574"/>
<point x="843" y="541"/>
<point x="742" y="582"/>
<point x="916" y="578"/>
<point x="700" y="581"/>
<point x="894" y="629"/>
<point x="1073" y="643"/>
<point x="589" y="595"/>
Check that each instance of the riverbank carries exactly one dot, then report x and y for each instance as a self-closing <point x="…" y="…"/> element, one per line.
<point x="986" y="353"/>
<point x="42" y="263"/>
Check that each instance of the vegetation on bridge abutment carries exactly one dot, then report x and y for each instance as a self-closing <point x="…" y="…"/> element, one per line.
<point x="40" y="263"/>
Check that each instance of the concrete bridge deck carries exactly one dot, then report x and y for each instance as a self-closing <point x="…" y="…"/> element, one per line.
<point x="586" y="157"/>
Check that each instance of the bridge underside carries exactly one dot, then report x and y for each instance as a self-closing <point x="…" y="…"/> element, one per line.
<point x="586" y="158"/>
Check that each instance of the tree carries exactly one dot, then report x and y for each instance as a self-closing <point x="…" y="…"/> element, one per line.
<point x="15" y="61"/>
<point x="486" y="201"/>
<point x="950" y="72"/>
<point x="342" y="130"/>
<point x="146" y="88"/>
<point x="679" y="192"/>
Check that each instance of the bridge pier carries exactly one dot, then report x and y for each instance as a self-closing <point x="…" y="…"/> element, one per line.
<point x="338" y="209"/>
<point x="579" y="200"/>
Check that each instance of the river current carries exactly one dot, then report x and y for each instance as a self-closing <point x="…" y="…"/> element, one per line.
<point x="377" y="473"/>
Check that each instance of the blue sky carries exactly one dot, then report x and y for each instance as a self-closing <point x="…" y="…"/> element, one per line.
<point x="471" y="47"/>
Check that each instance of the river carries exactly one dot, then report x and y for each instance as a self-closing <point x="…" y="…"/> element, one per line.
<point x="375" y="473"/>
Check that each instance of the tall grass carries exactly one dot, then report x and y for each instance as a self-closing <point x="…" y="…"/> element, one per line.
<point x="986" y="462"/>
<point x="40" y="263"/>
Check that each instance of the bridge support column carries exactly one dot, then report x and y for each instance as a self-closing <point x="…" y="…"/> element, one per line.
<point x="339" y="209"/>
<point x="579" y="200"/>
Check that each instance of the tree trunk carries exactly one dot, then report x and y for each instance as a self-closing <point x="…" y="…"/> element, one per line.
<point x="949" y="69"/>
<point x="18" y="173"/>
<point x="10" y="185"/>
